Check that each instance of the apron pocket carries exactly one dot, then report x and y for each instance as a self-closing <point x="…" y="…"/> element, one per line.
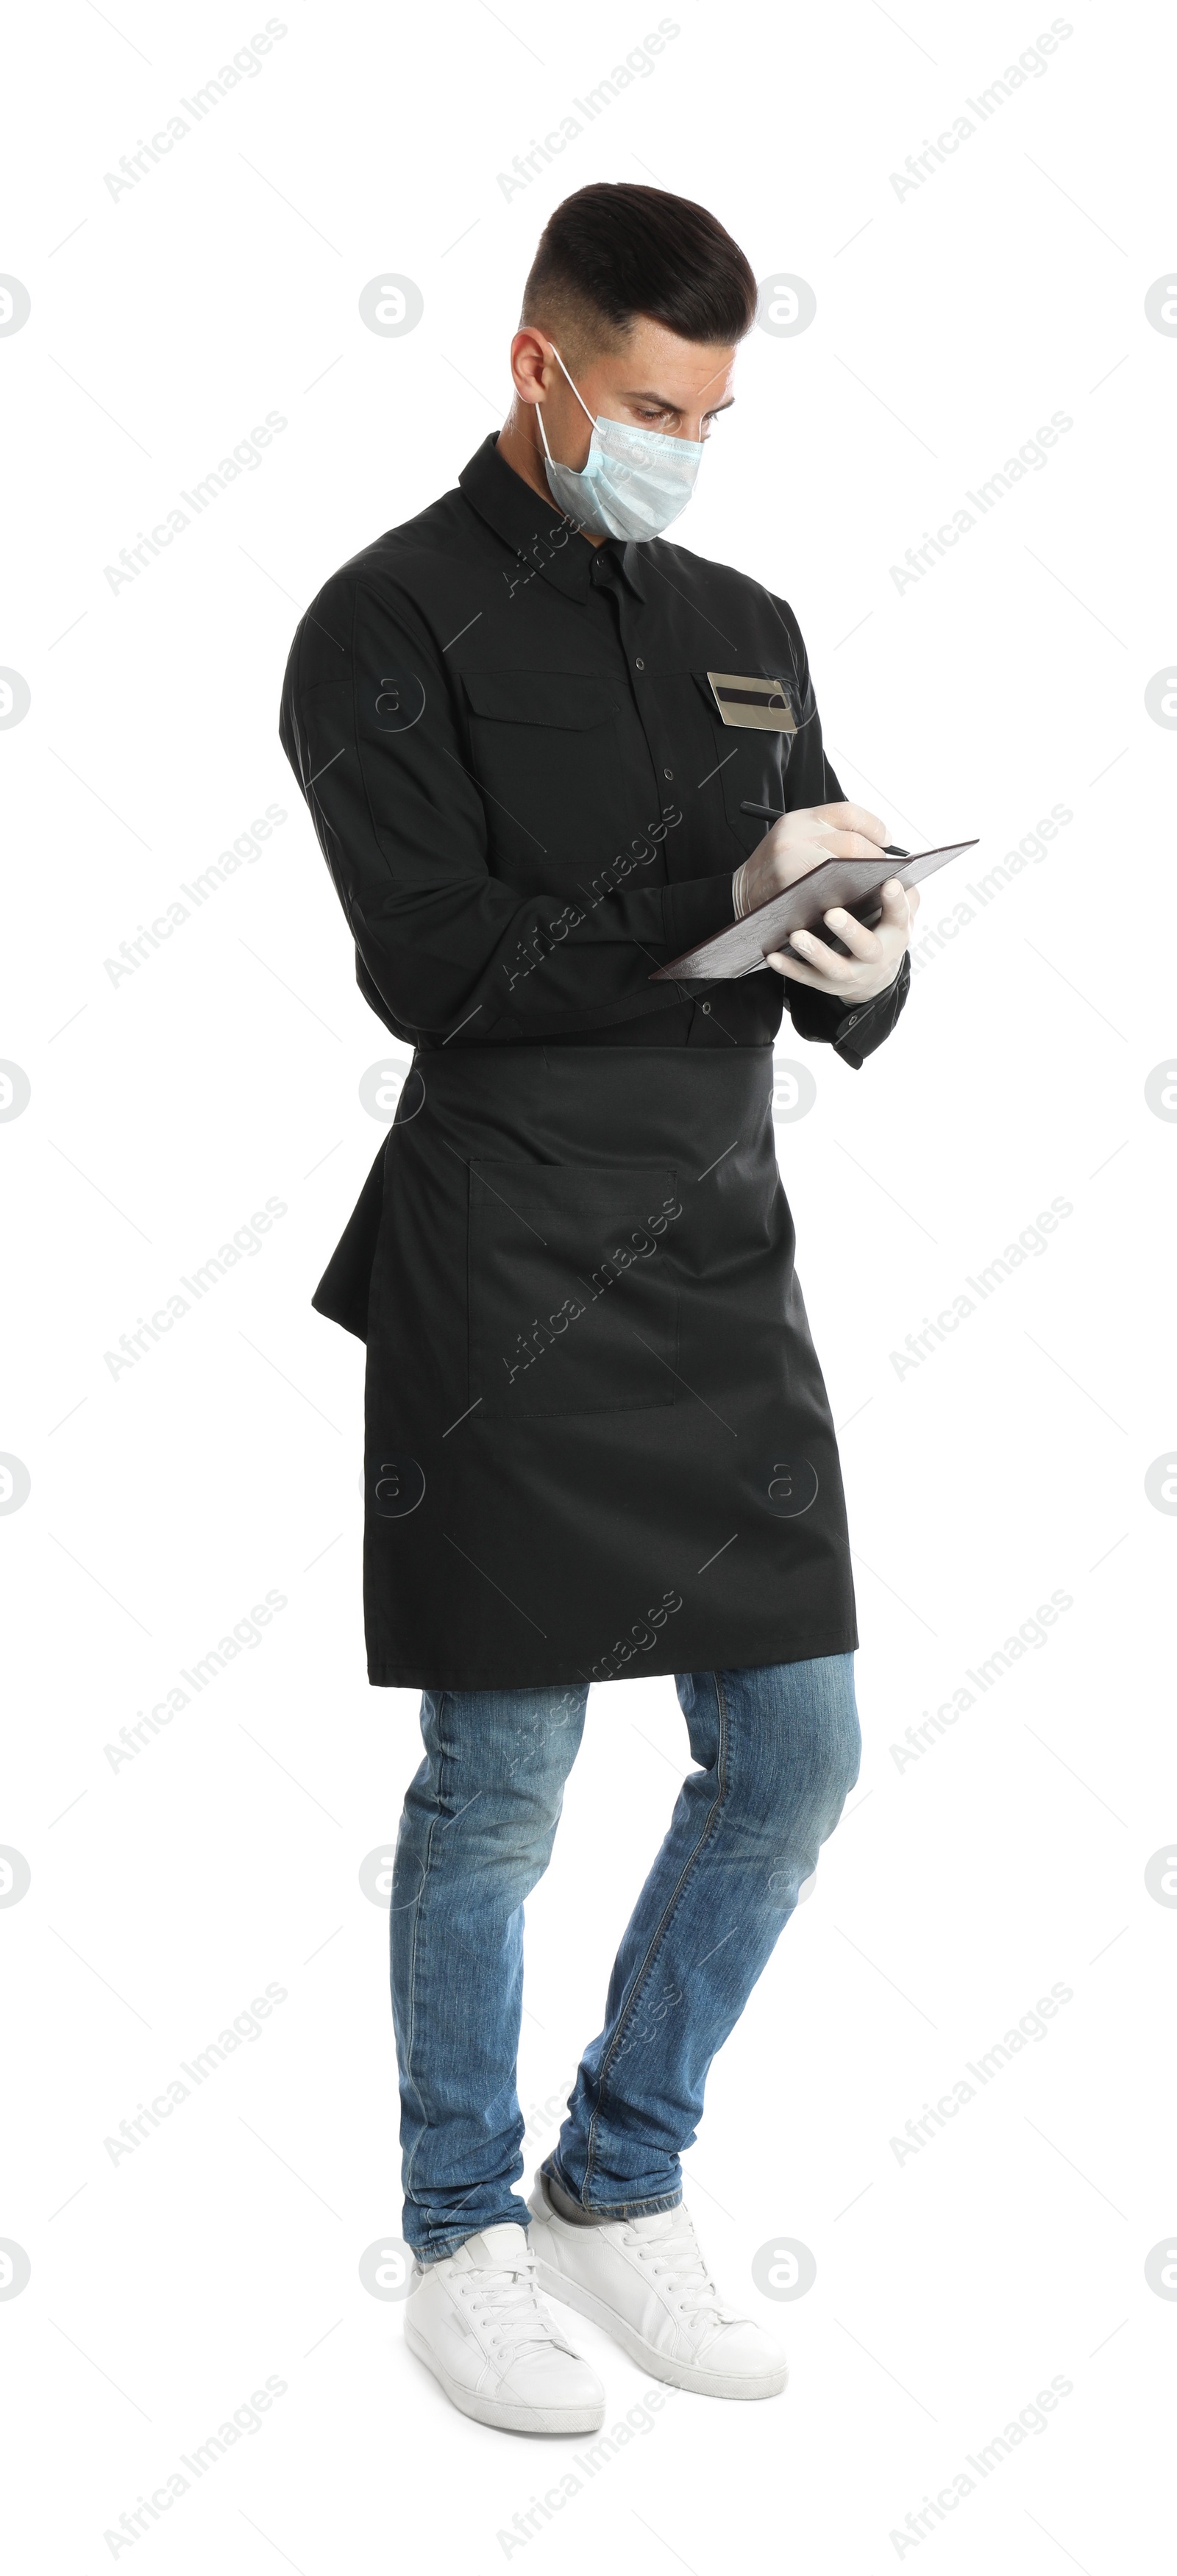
<point x="571" y="1302"/>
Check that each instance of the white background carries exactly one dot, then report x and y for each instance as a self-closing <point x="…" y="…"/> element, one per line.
<point x="951" y="322"/>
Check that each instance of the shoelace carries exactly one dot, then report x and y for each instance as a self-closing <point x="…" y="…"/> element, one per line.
<point x="678" y="2256"/>
<point x="508" y="2296"/>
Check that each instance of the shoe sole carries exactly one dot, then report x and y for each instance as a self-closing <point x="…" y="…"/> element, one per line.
<point x="505" y="2413"/>
<point x="680" y="2374"/>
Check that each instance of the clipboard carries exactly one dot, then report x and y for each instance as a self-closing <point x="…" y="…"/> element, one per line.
<point x="742" y="948"/>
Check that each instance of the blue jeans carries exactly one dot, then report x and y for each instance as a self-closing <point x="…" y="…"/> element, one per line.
<point x="778" y="1749"/>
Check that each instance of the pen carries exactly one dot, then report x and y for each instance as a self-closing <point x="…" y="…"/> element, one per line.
<point x="770" y="815"/>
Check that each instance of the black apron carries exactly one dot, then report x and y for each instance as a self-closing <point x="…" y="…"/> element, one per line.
<point x="598" y="1441"/>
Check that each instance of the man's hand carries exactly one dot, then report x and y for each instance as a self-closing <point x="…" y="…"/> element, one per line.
<point x="876" y="955"/>
<point x="799" y="842"/>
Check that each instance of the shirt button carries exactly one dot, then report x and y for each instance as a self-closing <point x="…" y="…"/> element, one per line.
<point x="639" y="665"/>
<point x="706" y="1006"/>
<point x="668" y="773"/>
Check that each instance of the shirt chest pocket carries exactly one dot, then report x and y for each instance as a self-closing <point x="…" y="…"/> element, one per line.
<point x="751" y="762"/>
<point x="543" y="749"/>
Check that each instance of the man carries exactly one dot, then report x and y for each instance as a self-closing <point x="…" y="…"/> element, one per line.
<point x="598" y="1439"/>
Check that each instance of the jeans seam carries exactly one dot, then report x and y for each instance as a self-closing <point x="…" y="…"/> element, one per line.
<point x="659" y="1934"/>
<point x="411" y="2033"/>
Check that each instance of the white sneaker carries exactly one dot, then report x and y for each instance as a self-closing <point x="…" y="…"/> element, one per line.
<point x="645" y="2281"/>
<point x="478" y="2323"/>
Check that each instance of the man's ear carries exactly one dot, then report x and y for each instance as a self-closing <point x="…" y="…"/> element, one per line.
<point x="531" y="364"/>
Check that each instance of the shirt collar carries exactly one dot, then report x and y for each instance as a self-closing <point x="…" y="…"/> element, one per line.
<point x="524" y="522"/>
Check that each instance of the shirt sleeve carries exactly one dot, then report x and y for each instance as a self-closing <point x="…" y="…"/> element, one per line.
<point x="445" y="950"/>
<point x="811" y="779"/>
<point x="853" y="1033"/>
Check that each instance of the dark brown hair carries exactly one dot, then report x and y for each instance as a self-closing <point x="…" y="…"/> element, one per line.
<point x="614" y="251"/>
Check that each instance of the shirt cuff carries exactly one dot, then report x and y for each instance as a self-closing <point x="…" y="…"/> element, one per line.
<point x="864" y="1030"/>
<point x="692" y="911"/>
<point x="853" y="1034"/>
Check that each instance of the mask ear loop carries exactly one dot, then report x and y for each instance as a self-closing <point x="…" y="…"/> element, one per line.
<point x="564" y="372"/>
<point x="540" y="409"/>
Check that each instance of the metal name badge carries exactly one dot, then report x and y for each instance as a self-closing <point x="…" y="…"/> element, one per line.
<point x="752" y="701"/>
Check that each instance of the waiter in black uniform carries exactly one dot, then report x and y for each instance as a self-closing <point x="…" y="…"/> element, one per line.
<point x="598" y="1442"/>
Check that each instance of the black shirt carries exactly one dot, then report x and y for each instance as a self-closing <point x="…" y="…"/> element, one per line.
<point x="522" y="786"/>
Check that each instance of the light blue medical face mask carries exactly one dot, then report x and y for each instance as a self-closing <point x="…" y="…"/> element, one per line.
<point x="634" y="481"/>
